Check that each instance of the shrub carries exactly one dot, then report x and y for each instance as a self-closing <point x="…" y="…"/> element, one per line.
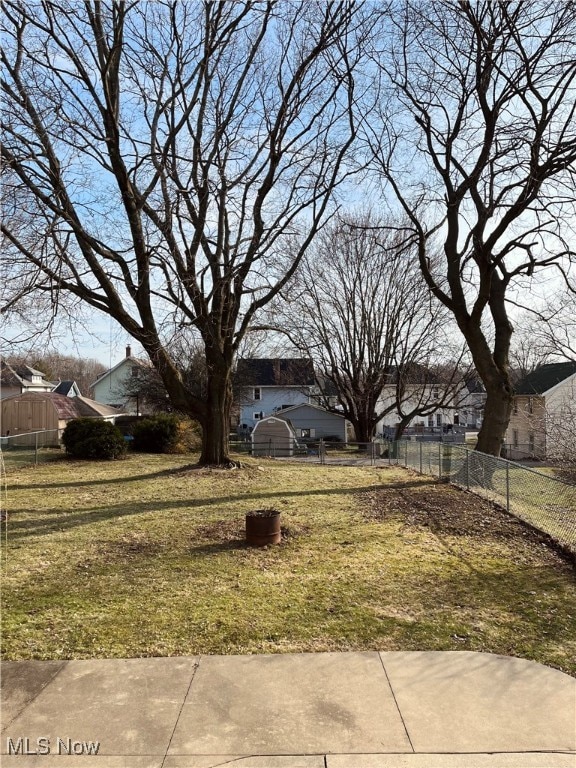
<point x="156" y="434"/>
<point x="93" y="439"/>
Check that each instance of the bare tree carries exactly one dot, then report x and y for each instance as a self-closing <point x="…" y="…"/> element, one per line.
<point x="481" y="157"/>
<point x="548" y="329"/>
<point x="358" y="306"/>
<point x="168" y="156"/>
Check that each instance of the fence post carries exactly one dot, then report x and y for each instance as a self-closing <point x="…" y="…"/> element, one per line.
<point x="467" y="469"/>
<point x="321" y="451"/>
<point x="421" y="472"/>
<point x="36" y="448"/>
<point x="440" y="460"/>
<point x="507" y="486"/>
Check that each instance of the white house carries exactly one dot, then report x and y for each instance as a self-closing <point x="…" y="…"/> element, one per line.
<point x="421" y="397"/>
<point x="117" y="386"/>
<point x="543" y="420"/>
<point x="266" y="386"/>
<point x="18" y="379"/>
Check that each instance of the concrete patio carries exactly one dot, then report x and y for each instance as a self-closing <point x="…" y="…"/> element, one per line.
<point x="325" y="710"/>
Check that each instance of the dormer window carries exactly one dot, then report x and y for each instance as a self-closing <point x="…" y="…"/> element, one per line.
<point x="36" y="379"/>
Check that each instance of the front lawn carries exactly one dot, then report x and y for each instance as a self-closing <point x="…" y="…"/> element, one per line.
<point x="146" y="557"/>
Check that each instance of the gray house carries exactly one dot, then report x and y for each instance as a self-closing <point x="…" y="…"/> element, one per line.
<point x="311" y="422"/>
<point x="267" y="386"/>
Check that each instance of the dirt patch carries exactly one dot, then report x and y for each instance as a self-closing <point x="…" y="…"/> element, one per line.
<point x="448" y="511"/>
<point x="219" y="530"/>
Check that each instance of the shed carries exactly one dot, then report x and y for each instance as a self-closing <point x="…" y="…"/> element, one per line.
<point x="273" y="436"/>
<point x="311" y="422"/>
<point x="40" y="411"/>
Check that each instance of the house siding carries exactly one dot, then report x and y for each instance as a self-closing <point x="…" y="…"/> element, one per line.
<point x="109" y="389"/>
<point x="531" y="430"/>
<point x="526" y="433"/>
<point x="271" y="401"/>
<point x="324" y="423"/>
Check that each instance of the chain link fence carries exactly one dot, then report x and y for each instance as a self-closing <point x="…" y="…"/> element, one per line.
<point x="543" y="501"/>
<point x="30" y="447"/>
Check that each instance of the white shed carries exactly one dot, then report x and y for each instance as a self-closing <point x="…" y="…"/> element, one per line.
<point x="273" y="437"/>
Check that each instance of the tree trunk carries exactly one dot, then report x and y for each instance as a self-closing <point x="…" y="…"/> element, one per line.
<point x="493" y="368"/>
<point x="216" y="424"/>
<point x="400" y="427"/>
<point x="496" y="417"/>
<point x="363" y="428"/>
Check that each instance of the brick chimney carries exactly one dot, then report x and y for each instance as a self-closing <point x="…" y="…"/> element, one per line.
<point x="128" y="351"/>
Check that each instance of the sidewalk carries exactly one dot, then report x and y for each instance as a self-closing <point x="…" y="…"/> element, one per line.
<point x="325" y="710"/>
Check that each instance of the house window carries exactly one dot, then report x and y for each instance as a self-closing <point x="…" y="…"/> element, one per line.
<point x="307" y="432"/>
<point x="531" y="442"/>
<point x="456" y="418"/>
<point x="134" y="371"/>
<point x="257" y="393"/>
<point x="435" y="393"/>
<point x="438" y="419"/>
<point x="515" y="409"/>
<point x="257" y="415"/>
<point x="430" y="420"/>
<point x="530" y="405"/>
<point x="515" y="438"/>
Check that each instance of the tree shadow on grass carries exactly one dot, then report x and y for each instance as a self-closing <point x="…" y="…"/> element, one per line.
<point x="54" y="520"/>
<point x="105" y="481"/>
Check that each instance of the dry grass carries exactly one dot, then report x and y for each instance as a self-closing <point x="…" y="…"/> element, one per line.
<point x="147" y="557"/>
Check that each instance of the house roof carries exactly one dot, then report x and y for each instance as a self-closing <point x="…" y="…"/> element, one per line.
<point x="70" y="407"/>
<point x="269" y="372"/>
<point x="474" y="385"/>
<point x="281" y="414"/>
<point x="261" y="424"/>
<point x="64" y="387"/>
<point x="90" y="408"/>
<point x="545" y="378"/>
<point x="19" y="375"/>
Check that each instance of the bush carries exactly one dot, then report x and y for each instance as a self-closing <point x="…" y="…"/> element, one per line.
<point x="93" y="439"/>
<point x="157" y="434"/>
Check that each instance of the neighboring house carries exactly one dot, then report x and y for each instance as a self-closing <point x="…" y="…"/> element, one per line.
<point x="471" y="403"/>
<point x="16" y="379"/>
<point x="311" y="422"/>
<point x="68" y="389"/>
<point x="543" y="412"/>
<point x="417" y="396"/>
<point x="118" y="388"/>
<point x="38" y="411"/>
<point x="266" y="386"/>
